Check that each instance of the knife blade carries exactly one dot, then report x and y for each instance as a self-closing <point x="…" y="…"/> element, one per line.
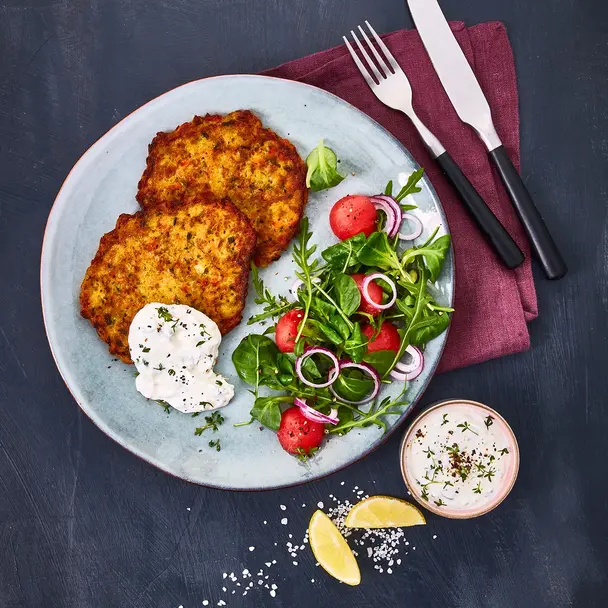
<point x="472" y="107"/>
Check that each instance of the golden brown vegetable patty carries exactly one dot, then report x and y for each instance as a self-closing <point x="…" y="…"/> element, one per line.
<point x="196" y="254"/>
<point x="232" y="156"/>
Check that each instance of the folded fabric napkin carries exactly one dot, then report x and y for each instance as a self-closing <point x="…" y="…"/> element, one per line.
<point x="492" y="303"/>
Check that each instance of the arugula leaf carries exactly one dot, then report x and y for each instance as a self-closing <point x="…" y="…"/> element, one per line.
<point x="273" y="307"/>
<point x="434" y="254"/>
<point x="349" y="296"/>
<point x="267" y="411"/>
<point x="411" y="187"/>
<point x="255" y="356"/>
<point x="343" y="255"/>
<point x="322" y="169"/>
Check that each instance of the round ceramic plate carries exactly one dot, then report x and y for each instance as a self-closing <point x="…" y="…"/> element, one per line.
<point x="103" y="184"/>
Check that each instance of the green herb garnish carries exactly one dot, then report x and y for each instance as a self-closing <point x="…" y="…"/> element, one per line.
<point x="322" y="171"/>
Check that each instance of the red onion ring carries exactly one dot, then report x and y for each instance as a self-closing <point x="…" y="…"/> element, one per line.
<point x="416" y="232"/>
<point x="391" y="219"/>
<point x="365" y="290"/>
<point x="370" y="371"/>
<point x="333" y="373"/>
<point x="313" y="415"/>
<point x="397" y="211"/>
<point x="296" y="285"/>
<point x="407" y="372"/>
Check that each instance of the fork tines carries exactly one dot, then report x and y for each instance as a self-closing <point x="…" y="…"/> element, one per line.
<point x="380" y="72"/>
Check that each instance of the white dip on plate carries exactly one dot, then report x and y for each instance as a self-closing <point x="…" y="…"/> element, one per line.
<point x="174" y="348"/>
<point x="460" y="457"/>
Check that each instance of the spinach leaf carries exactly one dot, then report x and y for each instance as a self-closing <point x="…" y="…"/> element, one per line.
<point x="346" y="417"/>
<point x="330" y="333"/>
<point x="380" y="360"/>
<point x="255" y="355"/>
<point x="311" y="369"/>
<point x="353" y="387"/>
<point x="322" y="169"/>
<point x="267" y="411"/>
<point x="343" y="255"/>
<point x="324" y="310"/>
<point x="341" y="326"/>
<point x="424" y="330"/>
<point x="349" y="297"/>
<point x="433" y="254"/>
<point x="356" y="345"/>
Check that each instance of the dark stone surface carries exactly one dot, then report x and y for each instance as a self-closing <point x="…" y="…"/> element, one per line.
<point x="85" y="524"/>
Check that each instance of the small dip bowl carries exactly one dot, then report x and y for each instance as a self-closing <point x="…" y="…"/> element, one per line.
<point x="459" y="459"/>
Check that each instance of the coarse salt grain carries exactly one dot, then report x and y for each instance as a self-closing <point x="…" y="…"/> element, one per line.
<point x="251" y="548"/>
<point x="283" y="507"/>
<point x="320" y="505"/>
<point x="284" y="521"/>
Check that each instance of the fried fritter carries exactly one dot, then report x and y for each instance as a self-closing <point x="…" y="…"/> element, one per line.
<point x="232" y="156"/>
<point x="196" y="254"/>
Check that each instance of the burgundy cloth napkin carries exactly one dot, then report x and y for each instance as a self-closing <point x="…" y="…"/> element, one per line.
<point x="492" y="304"/>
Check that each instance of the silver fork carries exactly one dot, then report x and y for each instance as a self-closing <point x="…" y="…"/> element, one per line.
<point x="392" y="87"/>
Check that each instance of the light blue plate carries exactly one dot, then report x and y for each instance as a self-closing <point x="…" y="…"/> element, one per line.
<point x="103" y="184"/>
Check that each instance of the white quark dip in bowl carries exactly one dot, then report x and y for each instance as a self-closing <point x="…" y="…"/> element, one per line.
<point x="459" y="459"/>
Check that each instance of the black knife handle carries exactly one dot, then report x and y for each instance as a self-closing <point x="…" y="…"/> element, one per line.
<point x="541" y="240"/>
<point x="488" y="223"/>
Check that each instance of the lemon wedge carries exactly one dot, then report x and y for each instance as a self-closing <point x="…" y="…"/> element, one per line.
<point x="331" y="550"/>
<point x="384" y="512"/>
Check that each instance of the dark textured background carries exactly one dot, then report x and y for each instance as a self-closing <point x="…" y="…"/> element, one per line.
<point x="85" y="524"/>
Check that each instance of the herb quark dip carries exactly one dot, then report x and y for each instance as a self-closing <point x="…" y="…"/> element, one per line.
<point x="460" y="459"/>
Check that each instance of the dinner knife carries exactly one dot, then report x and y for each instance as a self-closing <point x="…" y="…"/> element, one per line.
<point x="470" y="104"/>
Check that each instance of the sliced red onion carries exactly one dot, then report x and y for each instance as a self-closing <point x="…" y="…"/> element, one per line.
<point x="397" y="211"/>
<point x="313" y="415"/>
<point x="416" y="230"/>
<point x="365" y="290"/>
<point x="333" y="372"/>
<point x="409" y="371"/>
<point x="391" y="218"/>
<point x="296" y="286"/>
<point x="370" y="371"/>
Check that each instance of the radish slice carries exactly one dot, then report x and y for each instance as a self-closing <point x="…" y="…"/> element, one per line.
<point x="296" y="286"/>
<point x="365" y="289"/>
<point x="313" y="415"/>
<point x="397" y="211"/>
<point x="416" y="230"/>
<point x="391" y="218"/>
<point x="333" y="372"/>
<point x="411" y="370"/>
<point x="370" y="371"/>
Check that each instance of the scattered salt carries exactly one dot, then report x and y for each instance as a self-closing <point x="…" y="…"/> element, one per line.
<point x="251" y="548"/>
<point x="283" y="507"/>
<point x="320" y="505"/>
<point x="284" y="521"/>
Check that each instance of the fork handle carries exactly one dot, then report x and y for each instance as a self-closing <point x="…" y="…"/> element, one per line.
<point x="488" y="223"/>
